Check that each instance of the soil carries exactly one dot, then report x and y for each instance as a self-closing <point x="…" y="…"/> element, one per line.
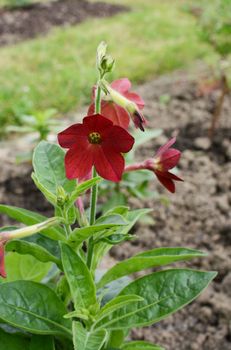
<point x="198" y="214"/>
<point x="17" y="24"/>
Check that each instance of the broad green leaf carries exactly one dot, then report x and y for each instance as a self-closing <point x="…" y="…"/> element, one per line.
<point x="42" y="342"/>
<point x="121" y="210"/>
<point x="48" y="164"/>
<point x="148" y="259"/>
<point x="84" y="340"/>
<point x="83" y="187"/>
<point x="105" y="223"/>
<point x="40" y="253"/>
<point x="140" y="345"/>
<point x="28" y="217"/>
<point x="24" y="267"/>
<point x="164" y="292"/>
<point x="11" y="341"/>
<point x="132" y="217"/>
<point x="79" y="278"/>
<point x="52" y="198"/>
<point x="33" y="307"/>
<point x="116" y="304"/>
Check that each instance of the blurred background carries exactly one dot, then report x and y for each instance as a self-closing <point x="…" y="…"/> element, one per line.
<point x="177" y="54"/>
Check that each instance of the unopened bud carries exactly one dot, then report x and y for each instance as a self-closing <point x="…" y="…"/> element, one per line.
<point x="105" y="63"/>
<point x="62" y="196"/>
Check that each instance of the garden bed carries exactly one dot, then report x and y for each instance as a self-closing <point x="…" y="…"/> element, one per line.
<point x="17" y="24"/>
<point x="198" y="215"/>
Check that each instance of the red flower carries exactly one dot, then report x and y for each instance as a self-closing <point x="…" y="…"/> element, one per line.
<point x="95" y="142"/>
<point x="2" y="261"/>
<point x="120" y="104"/>
<point x="166" y="158"/>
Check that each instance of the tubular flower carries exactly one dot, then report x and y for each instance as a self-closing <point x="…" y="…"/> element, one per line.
<point x="95" y="142"/>
<point x="2" y="261"/>
<point x="119" y="104"/>
<point x="166" y="158"/>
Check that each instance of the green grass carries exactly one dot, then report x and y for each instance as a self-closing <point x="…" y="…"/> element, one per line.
<point x="58" y="70"/>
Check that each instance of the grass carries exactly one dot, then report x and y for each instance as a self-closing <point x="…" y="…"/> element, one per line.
<point x="58" y="70"/>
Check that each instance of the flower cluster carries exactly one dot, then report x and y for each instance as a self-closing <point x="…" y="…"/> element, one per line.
<point x="101" y="139"/>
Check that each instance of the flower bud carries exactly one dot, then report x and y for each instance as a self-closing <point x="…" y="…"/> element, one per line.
<point x="105" y="63"/>
<point x="62" y="197"/>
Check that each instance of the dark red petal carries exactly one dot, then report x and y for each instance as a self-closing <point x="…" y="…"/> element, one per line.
<point x="132" y="96"/>
<point x="121" y="85"/>
<point x="165" y="147"/>
<point x="139" y="120"/>
<point x="119" y="140"/>
<point x="91" y="109"/>
<point x="169" y="175"/>
<point x="116" y="114"/>
<point x="170" y="158"/>
<point x="78" y="162"/>
<point x="2" y="261"/>
<point x="97" y="123"/>
<point x="108" y="164"/>
<point x="167" y="183"/>
<point x="70" y="136"/>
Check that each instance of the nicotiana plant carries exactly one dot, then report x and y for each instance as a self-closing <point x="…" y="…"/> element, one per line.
<point x="76" y="305"/>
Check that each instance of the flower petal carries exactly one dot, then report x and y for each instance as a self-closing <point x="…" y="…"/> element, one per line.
<point x="165" y="147"/>
<point x="132" y="96"/>
<point x="166" y="178"/>
<point x="70" y="136"/>
<point x="119" y="140"/>
<point x="121" y="85"/>
<point x="2" y="261"/>
<point x="170" y="158"/>
<point x="108" y="164"/>
<point x="78" y="162"/>
<point x="97" y="123"/>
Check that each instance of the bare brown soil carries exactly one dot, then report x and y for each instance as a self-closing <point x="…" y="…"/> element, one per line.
<point x="198" y="215"/>
<point x="37" y="19"/>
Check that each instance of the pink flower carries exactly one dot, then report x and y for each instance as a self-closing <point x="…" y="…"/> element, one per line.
<point x="96" y="142"/>
<point x="119" y="104"/>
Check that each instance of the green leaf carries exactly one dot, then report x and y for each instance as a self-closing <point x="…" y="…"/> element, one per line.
<point x="40" y="253"/>
<point x="148" y="259"/>
<point x="163" y="292"/>
<point x="52" y="198"/>
<point x="33" y="307"/>
<point x="117" y="239"/>
<point x="28" y="217"/>
<point x="116" y="304"/>
<point x="79" y="278"/>
<point x="132" y="217"/>
<point x="44" y="342"/>
<point x="84" y="340"/>
<point x="104" y="223"/>
<point x="140" y="345"/>
<point x="11" y="341"/>
<point x="121" y="210"/>
<point x="48" y="164"/>
<point x="24" y="267"/>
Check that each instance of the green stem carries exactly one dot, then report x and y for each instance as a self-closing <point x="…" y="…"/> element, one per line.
<point x="94" y="189"/>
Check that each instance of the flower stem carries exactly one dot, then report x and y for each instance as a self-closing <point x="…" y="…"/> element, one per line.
<point x="94" y="189"/>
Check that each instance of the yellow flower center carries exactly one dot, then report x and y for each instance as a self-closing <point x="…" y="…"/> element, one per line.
<point x="157" y="164"/>
<point x="94" y="138"/>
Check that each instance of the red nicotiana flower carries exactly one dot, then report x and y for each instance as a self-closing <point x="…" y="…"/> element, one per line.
<point x="2" y="261"/>
<point x="166" y="158"/>
<point x="120" y="104"/>
<point x="95" y="142"/>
